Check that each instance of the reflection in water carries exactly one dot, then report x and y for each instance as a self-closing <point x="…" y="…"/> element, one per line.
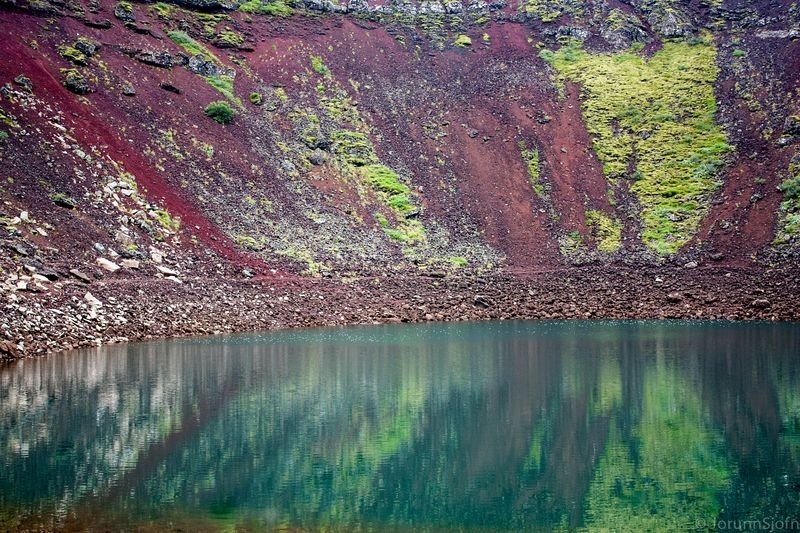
<point x="509" y="426"/>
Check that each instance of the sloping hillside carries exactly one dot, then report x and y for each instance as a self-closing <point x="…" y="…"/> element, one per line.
<point x="210" y="139"/>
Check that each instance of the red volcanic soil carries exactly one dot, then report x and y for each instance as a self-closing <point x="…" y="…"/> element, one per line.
<point x="94" y="126"/>
<point x="743" y="217"/>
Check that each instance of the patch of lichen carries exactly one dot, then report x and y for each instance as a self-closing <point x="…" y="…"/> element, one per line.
<point x="531" y="159"/>
<point x="789" y="221"/>
<point x="72" y="54"/>
<point x="606" y="232"/>
<point x="222" y="83"/>
<point x="652" y="121"/>
<point x="549" y="10"/>
<point x="353" y="147"/>
<point x="275" y="8"/>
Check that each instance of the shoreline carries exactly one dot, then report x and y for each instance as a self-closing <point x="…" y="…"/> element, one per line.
<point x="128" y="310"/>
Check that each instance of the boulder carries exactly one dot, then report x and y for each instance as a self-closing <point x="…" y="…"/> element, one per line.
<point x="124" y="11"/>
<point x="128" y="89"/>
<point x="80" y="275"/>
<point x="170" y="88"/>
<point x="317" y="157"/>
<point x="674" y="297"/>
<point x="792" y="126"/>
<point x="86" y="46"/>
<point x="24" y="82"/>
<point x="154" y="58"/>
<point x="75" y="82"/>
<point x="105" y="264"/>
<point x="9" y="351"/>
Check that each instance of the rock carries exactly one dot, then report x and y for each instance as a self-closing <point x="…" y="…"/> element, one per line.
<point x="671" y="23"/>
<point x="717" y="256"/>
<point x="124" y="11"/>
<point x="199" y="65"/>
<point x="21" y="249"/>
<point x="80" y="275"/>
<point x="472" y="133"/>
<point x="92" y="301"/>
<point x="166" y="271"/>
<point x="208" y="5"/>
<point x="99" y="24"/>
<point x="674" y="297"/>
<point x="88" y="47"/>
<point x="156" y="256"/>
<point x="690" y="264"/>
<point x="107" y="265"/>
<point x="62" y="200"/>
<point x="48" y="273"/>
<point x="247" y="273"/>
<point x="170" y="88"/>
<point x="792" y="126"/>
<point x="9" y="351"/>
<point x="75" y="82"/>
<point x="24" y="82"/>
<point x="317" y="157"/>
<point x="130" y="264"/>
<point x="761" y="303"/>
<point x="482" y="301"/>
<point x="128" y="89"/>
<point x="154" y="58"/>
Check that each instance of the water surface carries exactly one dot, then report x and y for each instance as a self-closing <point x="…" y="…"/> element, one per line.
<point x="481" y="426"/>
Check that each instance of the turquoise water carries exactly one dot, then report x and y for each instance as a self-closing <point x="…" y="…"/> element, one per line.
<point x="510" y="426"/>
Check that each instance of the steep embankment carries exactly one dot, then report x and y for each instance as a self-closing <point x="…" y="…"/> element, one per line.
<point x="456" y="139"/>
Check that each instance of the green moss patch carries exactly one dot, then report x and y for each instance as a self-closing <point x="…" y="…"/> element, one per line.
<point x="319" y="67"/>
<point x="463" y="41"/>
<point x="789" y="222"/>
<point x="652" y="121"/>
<point x="531" y="159"/>
<point x="276" y="8"/>
<point x="606" y="232"/>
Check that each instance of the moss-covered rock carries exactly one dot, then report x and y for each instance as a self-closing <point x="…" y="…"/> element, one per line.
<point x="75" y="82"/>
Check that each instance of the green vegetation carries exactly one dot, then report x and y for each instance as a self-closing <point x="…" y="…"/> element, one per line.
<point x="319" y="67"/>
<point x="276" y="8"/>
<point x="166" y="221"/>
<point x="531" y="159"/>
<point x="606" y="232"/>
<point x="228" y="38"/>
<point x="385" y="181"/>
<point x="191" y="46"/>
<point x="549" y="10"/>
<point x="64" y="200"/>
<point x="353" y="147"/>
<point x="739" y="53"/>
<point x="162" y="10"/>
<point x="395" y="194"/>
<point x="72" y="54"/>
<point x="3" y="135"/>
<point x="256" y="98"/>
<point x="220" y="112"/>
<point x="458" y="261"/>
<point x="789" y="224"/>
<point x="463" y="41"/>
<point x="570" y="243"/>
<point x="222" y="83"/>
<point x="125" y="8"/>
<point x="657" y="118"/>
